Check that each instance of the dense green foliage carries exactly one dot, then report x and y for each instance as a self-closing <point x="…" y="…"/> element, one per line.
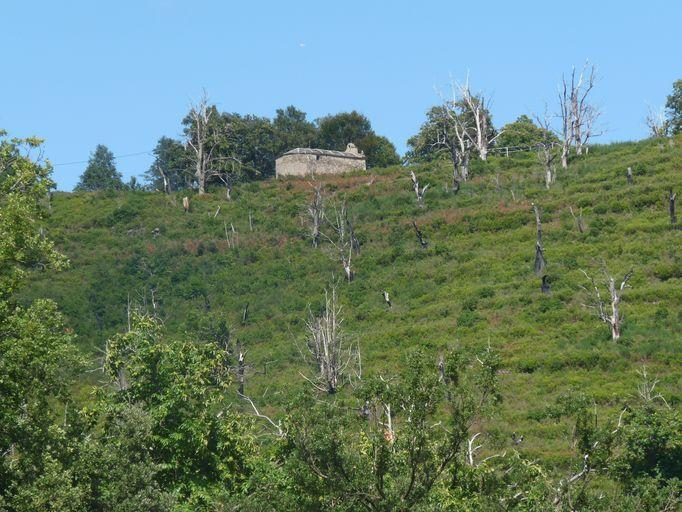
<point x="673" y="107"/>
<point x="523" y="133"/>
<point x="246" y="146"/>
<point x="172" y="160"/>
<point x="426" y="145"/>
<point x="160" y="296"/>
<point x="336" y="131"/>
<point x="101" y="173"/>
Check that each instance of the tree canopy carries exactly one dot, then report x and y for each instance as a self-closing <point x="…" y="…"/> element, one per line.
<point x="524" y="133"/>
<point x="673" y="107"/>
<point x="244" y="147"/>
<point x="336" y="131"/>
<point x="101" y="173"/>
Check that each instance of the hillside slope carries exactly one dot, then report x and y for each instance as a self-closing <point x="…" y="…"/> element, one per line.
<point x="472" y="286"/>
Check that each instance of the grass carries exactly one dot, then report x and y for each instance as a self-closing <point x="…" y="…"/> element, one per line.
<point x="472" y="286"/>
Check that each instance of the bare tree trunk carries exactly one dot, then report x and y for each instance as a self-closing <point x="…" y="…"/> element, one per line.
<point x="477" y="107"/>
<point x="671" y="206"/>
<point x="547" y="153"/>
<point x="202" y="141"/>
<point x="566" y="117"/>
<point x="420" y="236"/>
<point x="657" y="123"/>
<point x="419" y="191"/>
<point x="166" y="183"/>
<point x="315" y="213"/>
<point x="240" y="370"/>
<point x="583" y="113"/>
<point x="578" y="220"/>
<point x="464" y="165"/>
<point x="546" y="157"/>
<point x="614" y="319"/>
<point x="327" y="345"/>
<point x="540" y="263"/>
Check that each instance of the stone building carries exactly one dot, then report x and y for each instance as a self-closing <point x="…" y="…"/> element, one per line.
<point x="308" y="161"/>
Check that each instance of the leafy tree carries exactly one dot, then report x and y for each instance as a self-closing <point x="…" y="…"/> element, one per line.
<point x="390" y="456"/>
<point x="380" y="151"/>
<point x="172" y="160"/>
<point x="232" y="148"/>
<point x="292" y="130"/>
<point x="336" y="131"/>
<point x="673" y="107"/>
<point x="248" y="146"/>
<point x="116" y="464"/>
<point x="424" y="147"/>
<point x="202" y="447"/>
<point x="38" y="359"/>
<point x="101" y="173"/>
<point x="524" y="133"/>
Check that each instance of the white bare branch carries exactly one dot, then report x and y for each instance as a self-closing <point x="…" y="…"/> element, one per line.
<point x="614" y="317"/>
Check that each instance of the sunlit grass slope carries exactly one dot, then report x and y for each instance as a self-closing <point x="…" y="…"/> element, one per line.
<point x="472" y="286"/>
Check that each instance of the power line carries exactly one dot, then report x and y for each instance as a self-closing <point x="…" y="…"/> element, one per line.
<point x="115" y="158"/>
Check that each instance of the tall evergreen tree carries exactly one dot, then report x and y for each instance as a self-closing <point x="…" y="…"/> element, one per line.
<point x="101" y="173"/>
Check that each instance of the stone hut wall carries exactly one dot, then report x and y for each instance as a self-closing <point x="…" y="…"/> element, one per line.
<point x="306" y="162"/>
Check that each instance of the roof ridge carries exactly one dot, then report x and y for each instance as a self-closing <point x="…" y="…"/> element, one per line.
<point x="328" y="152"/>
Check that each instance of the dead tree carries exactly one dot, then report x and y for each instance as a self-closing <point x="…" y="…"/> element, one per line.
<point x="566" y="132"/>
<point x="166" y="182"/>
<point x="386" y="297"/>
<point x="343" y="239"/>
<point x="476" y="107"/>
<point x="241" y="368"/>
<point x="354" y="242"/>
<point x="327" y="345"/>
<point x="540" y="263"/>
<point x="629" y="177"/>
<point x="577" y="115"/>
<point x="245" y="314"/>
<point x="584" y="114"/>
<point x="546" y="155"/>
<point x="314" y="211"/>
<point x="230" y="235"/>
<point x="656" y="123"/>
<point x="278" y="431"/>
<point x="546" y="152"/>
<point x="646" y="389"/>
<point x="452" y="136"/>
<point x="419" y="191"/>
<point x="614" y="318"/>
<point x="420" y="236"/>
<point x="226" y="178"/>
<point x="580" y="223"/>
<point x="203" y="140"/>
<point x="671" y="206"/>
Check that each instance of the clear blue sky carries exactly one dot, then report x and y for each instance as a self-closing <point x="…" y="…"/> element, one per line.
<point x="122" y="73"/>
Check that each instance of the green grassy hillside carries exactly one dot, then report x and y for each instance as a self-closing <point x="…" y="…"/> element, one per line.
<point x="472" y="286"/>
